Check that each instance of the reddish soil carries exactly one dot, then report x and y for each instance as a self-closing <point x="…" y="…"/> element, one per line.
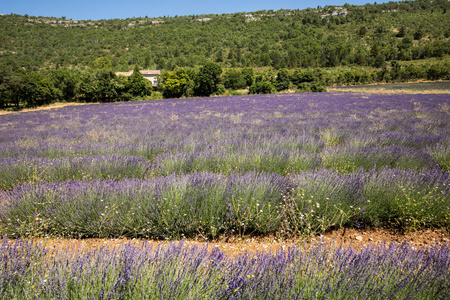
<point x="358" y="239"/>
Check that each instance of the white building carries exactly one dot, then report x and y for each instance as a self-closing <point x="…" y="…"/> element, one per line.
<point x="151" y="75"/>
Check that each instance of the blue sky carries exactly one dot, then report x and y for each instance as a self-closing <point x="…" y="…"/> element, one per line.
<point x="111" y="9"/>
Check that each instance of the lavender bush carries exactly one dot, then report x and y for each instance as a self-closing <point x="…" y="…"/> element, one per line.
<point x="164" y="207"/>
<point x="17" y="170"/>
<point x="211" y="204"/>
<point x="387" y="196"/>
<point x="178" y="271"/>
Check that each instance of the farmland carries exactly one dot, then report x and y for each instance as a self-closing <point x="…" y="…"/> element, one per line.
<point x="415" y="87"/>
<point x="255" y="165"/>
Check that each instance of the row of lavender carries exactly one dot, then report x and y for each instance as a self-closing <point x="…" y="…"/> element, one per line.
<point x="211" y="204"/>
<point x="224" y="159"/>
<point x="179" y="271"/>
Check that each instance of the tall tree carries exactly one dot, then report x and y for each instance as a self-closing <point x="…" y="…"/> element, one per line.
<point x="37" y="90"/>
<point x="207" y="79"/>
<point x="283" y="81"/>
<point x="65" y="80"/>
<point x="248" y="75"/>
<point x="98" y="85"/>
<point x="138" y="85"/>
<point x="233" y="79"/>
<point x="176" y="84"/>
<point x="10" y="87"/>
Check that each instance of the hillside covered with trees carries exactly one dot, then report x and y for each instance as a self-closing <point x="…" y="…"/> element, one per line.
<point x="330" y="36"/>
<point x="356" y="44"/>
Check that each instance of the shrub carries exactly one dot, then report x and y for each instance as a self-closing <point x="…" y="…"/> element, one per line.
<point x="262" y="87"/>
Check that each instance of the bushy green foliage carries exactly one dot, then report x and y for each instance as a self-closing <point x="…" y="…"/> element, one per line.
<point x="283" y="81"/>
<point x="299" y="77"/>
<point x="262" y="87"/>
<point x="97" y="86"/>
<point x="318" y="88"/>
<point x="305" y="87"/>
<point x="10" y="86"/>
<point x="36" y="90"/>
<point x="248" y="75"/>
<point x="437" y="71"/>
<point x="138" y="85"/>
<point x="102" y="63"/>
<point x="234" y="79"/>
<point x="176" y="83"/>
<point x="66" y="82"/>
<point x="207" y="79"/>
<point x="21" y="89"/>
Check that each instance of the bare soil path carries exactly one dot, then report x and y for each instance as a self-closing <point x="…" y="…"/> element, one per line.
<point x="358" y="239"/>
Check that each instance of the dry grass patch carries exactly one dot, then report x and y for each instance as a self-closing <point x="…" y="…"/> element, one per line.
<point x="46" y="107"/>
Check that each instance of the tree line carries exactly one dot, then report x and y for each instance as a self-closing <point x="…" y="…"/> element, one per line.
<point x="31" y="89"/>
<point x="19" y="89"/>
<point x="182" y="82"/>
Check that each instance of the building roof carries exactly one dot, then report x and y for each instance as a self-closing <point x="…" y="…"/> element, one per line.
<point x="150" y="72"/>
<point x="143" y="72"/>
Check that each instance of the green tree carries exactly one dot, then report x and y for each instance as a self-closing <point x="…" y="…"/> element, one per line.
<point x="37" y="90"/>
<point x="418" y="34"/>
<point x="138" y="86"/>
<point x="396" y="69"/>
<point x="439" y="71"/>
<point x="379" y="60"/>
<point x="362" y="31"/>
<point x="402" y="31"/>
<point x="121" y="86"/>
<point x="412" y="72"/>
<point x="262" y="87"/>
<point x="304" y="87"/>
<point x="176" y="84"/>
<point x="248" y="75"/>
<point x="277" y="60"/>
<point x="280" y="39"/>
<point x="318" y="88"/>
<point x="102" y="63"/>
<point x="234" y="79"/>
<point x="65" y="81"/>
<point x="282" y="81"/>
<point x="299" y="77"/>
<point x="86" y="88"/>
<point x="207" y="79"/>
<point x="10" y="87"/>
<point x="104" y="86"/>
<point x="405" y="44"/>
<point x="98" y="86"/>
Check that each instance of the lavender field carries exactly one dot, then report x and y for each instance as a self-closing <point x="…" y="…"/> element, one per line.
<point x="180" y="271"/>
<point x="287" y="165"/>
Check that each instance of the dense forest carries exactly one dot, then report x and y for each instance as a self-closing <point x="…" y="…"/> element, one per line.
<point x="320" y="37"/>
<point x="374" y="39"/>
